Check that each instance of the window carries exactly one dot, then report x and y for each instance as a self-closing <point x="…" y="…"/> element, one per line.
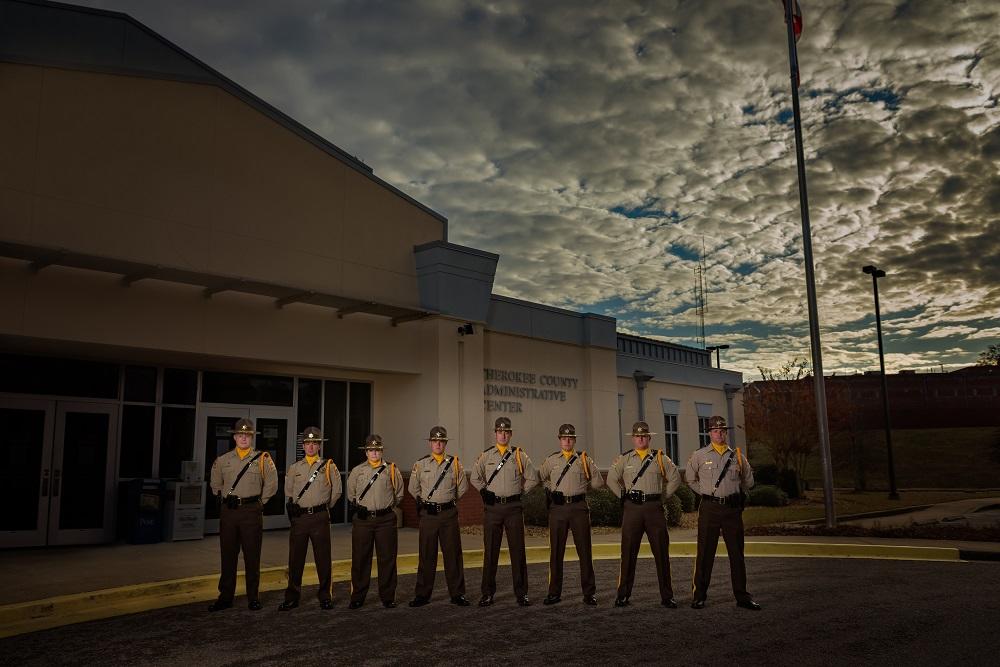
<point x="58" y="377"/>
<point x="140" y="384"/>
<point x="309" y="409"/>
<point x="136" y="455"/>
<point x="704" y="411"/>
<point x="180" y="386"/>
<point x="246" y="389"/>
<point x="671" y="409"/>
<point x="703" y="438"/>
<point x="176" y="440"/>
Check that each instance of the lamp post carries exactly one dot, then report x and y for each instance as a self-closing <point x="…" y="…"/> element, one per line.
<point x="716" y="348"/>
<point x="877" y="273"/>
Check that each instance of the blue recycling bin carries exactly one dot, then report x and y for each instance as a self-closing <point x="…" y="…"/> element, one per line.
<point x="144" y="503"/>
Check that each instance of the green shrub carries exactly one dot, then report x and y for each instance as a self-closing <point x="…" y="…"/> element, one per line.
<point x="788" y="480"/>
<point x="687" y="497"/>
<point x="605" y="508"/>
<point x="674" y="509"/>
<point x="535" y="513"/>
<point x="766" y="475"/>
<point x="767" y="495"/>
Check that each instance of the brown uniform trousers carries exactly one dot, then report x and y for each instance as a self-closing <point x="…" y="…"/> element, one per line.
<point x="646" y="518"/>
<point x="563" y="519"/>
<point x="497" y="519"/>
<point x="713" y="518"/>
<point x="440" y="529"/>
<point x="308" y="528"/>
<point x="378" y="533"/>
<point x="240" y="528"/>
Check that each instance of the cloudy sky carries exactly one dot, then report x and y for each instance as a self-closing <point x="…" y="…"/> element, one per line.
<point x="599" y="146"/>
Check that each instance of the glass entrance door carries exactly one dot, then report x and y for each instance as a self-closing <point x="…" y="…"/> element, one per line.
<point x="56" y="472"/>
<point x="81" y="509"/>
<point x="276" y="438"/>
<point x="26" y="427"/>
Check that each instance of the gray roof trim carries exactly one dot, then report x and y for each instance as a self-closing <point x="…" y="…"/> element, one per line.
<point x="657" y="341"/>
<point x="552" y="309"/>
<point x="202" y="74"/>
<point x="133" y="272"/>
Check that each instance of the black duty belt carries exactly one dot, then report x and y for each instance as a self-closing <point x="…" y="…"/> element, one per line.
<point x="363" y="513"/>
<point x="639" y="497"/>
<point x="502" y="500"/>
<point x="562" y="499"/>
<point x="299" y="511"/>
<point x="232" y="502"/>
<point x="437" y="508"/>
<point x="733" y="499"/>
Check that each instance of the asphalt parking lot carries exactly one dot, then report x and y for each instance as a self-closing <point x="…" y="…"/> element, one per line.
<point x="816" y="611"/>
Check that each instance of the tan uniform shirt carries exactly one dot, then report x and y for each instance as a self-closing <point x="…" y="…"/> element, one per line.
<point x="510" y="480"/>
<point x="261" y="478"/>
<point x="325" y="489"/>
<point x="387" y="491"/>
<point x="582" y="475"/>
<point x="427" y="471"/>
<point x="654" y="480"/>
<point x="705" y="466"/>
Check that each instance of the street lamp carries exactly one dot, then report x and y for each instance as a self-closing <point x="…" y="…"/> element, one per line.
<point x="877" y="273"/>
<point x="716" y="348"/>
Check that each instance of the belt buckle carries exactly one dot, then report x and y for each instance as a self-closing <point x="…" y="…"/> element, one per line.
<point x="311" y="510"/>
<point x="642" y="496"/>
<point x="239" y="501"/>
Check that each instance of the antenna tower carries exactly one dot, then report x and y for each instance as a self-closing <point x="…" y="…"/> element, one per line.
<point x="700" y="298"/>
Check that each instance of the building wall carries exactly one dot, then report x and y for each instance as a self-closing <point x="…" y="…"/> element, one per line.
<point x="583" y="384"/>
<point x="187" y="175"/>
<point x="687" y="420"/>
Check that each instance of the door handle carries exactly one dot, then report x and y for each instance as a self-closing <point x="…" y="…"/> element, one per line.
<point x="45" y="482"/>
<point x="56" y="479"/>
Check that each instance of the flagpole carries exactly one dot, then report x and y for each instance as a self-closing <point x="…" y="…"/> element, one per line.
<point x="817" y="355"/>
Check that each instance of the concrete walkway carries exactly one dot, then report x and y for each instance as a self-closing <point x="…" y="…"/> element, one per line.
<point x="974" y="513"/>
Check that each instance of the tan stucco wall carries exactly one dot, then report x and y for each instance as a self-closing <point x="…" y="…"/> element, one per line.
<point x="186" y="175"/>
<point x="591" y="406"/>
<point x="687" y="419"/>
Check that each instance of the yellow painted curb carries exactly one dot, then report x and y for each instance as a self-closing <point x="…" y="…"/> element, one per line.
<point x="53" y="612"/>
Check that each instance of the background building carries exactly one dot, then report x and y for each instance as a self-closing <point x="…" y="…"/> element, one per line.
<point x="175" y="253"/>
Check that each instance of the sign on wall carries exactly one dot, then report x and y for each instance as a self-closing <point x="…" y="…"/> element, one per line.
<point x="505" y="390"/>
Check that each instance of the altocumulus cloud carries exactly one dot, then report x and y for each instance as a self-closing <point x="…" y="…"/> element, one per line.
<point x="599" y="146"/>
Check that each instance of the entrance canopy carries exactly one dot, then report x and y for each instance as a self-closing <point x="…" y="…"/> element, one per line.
<point x="132" y="272"/>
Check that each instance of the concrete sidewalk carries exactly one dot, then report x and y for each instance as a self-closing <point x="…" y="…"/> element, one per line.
<point x="39" y="573"/>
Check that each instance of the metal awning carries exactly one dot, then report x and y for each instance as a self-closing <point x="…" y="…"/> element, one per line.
<point x="211" y="284"/>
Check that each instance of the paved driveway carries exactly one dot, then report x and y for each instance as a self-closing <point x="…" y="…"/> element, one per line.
<point x="816" y="611"/>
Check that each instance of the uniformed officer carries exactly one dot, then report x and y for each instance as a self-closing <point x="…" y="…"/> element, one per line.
<point x="243" y="479"/>
<point x="720" y="475"/>
<point x="437" y="482"/>
<point x="502" y="473"/>
<point x="644" y="477"/>
<point x="374" y="489"/>
<point x="312" y="487"/>
<point x="567" y="476"/>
